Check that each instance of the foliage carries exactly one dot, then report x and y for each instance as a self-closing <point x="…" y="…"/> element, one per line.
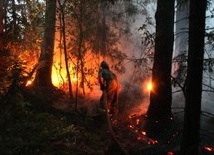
<point x="22" y="37"/>
<point x="5" y="64"/>
<point x="91" y="36"/>
<point x="86" y="34"/>
<point x="13" y="73"/>
<point x="33" y="131"/>
<point x="179" y="75"/>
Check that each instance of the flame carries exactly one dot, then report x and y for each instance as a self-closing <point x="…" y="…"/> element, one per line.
<point x="60" y="78"/>
<point x="59" y="74"/>
<point x="55" y="80"/>
<point x="74" y="79"/>
<point x="149" y="86"/>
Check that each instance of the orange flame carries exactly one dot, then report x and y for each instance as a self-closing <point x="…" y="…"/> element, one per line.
<point x="149" y="86"/>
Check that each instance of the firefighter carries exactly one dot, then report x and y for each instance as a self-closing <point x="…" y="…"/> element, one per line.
<point x="109" y="83"/>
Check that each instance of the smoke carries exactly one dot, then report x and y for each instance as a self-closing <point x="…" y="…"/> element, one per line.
<point x="181" y="48"/>
<point x="133" y="97"/>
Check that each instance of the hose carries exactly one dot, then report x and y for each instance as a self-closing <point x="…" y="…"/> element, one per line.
<point x="109" y="124"/>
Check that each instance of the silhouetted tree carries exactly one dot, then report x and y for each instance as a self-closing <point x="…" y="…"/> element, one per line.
<point x="43" y="74"/>
<point x="190" y="140"/>
<point x="160" y="96"/>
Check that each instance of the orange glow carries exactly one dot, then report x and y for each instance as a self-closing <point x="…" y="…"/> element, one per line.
<point x="152" y="141"/>
<point x="143" y="133"/>
<point x="59" y="78"/>
<point x="74" y="79"/>
<point x="131" y="126"/>
<point x="149" y="86"/>
<point x="137" y="121"/>
<point x="55" y="80"/>
<point x="209" y="149"/>
<point x="29" y="82"/>
<point x="130" y="116"/>
<point x="170" y="153"/>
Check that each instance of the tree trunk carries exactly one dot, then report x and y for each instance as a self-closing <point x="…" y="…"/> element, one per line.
<point x="190" y="140"/>
<point x="160" y="96"/>
<point x="43" y="76"/>
<point x="65" y="48"/>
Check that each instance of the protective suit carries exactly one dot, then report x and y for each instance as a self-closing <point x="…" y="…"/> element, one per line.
<point x="109" y="83"/>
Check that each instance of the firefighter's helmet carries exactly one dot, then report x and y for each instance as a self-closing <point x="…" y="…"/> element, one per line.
<point x="104" y="64"/>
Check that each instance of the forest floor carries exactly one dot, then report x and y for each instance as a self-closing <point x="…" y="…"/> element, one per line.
<point x="30" y="128"/>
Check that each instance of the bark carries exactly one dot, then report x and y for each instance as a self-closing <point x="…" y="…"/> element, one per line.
<point x="191" y="132"/>
<point x="43" y="76"/>
<point x="161" y="97"/>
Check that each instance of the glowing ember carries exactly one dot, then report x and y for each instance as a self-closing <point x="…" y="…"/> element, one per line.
<point x="209" y="149"/>
<point x="29" y="82"/>
<point x="137" y="121"/>
<point x="141" y="138"/>
<point x="131" y="116"/>
<point x="131" y="126"/>
<point x="143" y="133"/>
<point x="152" y="141"/>
<point x="170" y="153"/>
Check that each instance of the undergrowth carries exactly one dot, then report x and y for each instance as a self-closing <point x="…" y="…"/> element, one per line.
<point x="26" y="130"/>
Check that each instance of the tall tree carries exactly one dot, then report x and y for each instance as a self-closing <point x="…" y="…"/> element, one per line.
<point x="160" y="96"/>
<point x="43" y="75"/>
<point x="190" y="140"/>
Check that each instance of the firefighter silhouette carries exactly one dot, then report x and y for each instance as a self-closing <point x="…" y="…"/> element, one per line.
<point x="109" y="83"/>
